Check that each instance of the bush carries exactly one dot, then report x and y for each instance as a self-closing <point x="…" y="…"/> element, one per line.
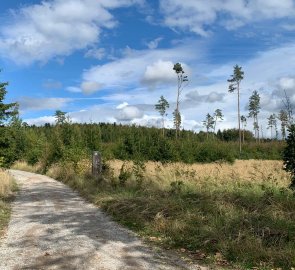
<point x="289" y="155"/>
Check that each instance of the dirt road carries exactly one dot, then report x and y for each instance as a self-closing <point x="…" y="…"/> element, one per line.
<point x="53" y="228"/>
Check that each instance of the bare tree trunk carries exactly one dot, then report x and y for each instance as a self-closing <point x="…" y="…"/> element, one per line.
<point x="239" y="120"/>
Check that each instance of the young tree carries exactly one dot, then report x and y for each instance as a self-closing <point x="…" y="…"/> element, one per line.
<point x="208" y="123"/>
<point x="272" y="123"/>
<point x="283" y="117"/>
<point x="161" y="107"/>
<point x="289" y="155"/>
<point x="244" y="124"/>
<point x="181" y="79"/>
<point x="177" y="121"/>
<point x="7" y="110"/>
<point x="234" y="85"/>
<point x="217" y="116"/>
<point x="254" y="109"/>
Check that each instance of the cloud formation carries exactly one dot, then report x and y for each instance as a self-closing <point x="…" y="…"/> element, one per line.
<point x="196" y="16"/>
<point x="29" y="103"/>
<point x="56" y="28"/>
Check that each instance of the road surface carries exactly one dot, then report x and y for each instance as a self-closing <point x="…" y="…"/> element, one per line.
<point x="52" y="227"/>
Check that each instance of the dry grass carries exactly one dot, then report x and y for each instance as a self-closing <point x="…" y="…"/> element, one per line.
<point x="24" y="166"/>
<point x="6" y="184"/>
<point x="242" y="213"/>
<point x="257" y="171"/>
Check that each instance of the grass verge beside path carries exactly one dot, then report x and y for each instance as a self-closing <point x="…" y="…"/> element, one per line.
<point x="7" y="186"/>
<point x="237" y="220"/>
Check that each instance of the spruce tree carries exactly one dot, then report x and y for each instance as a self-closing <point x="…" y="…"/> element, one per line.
<point x="289" y="155"/>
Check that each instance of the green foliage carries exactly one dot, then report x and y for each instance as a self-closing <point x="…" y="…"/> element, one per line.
<point x="124" y="175"/>
<point x="7" y="110"/>
<point x="289" y="155"/>
<point x="138" y="171"/>
<point x="236" y="78"/>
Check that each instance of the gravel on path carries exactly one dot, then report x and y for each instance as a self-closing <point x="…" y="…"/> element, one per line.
<point x="52" y="227"/>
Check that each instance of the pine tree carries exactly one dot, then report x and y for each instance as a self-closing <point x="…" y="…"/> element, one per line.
<point x="244" y="124"/>
<point x="181" y="79"/>
<point x="208" y="123"/>
<point x="272" y="123"/>
<point x="254" y="109"/>
<point x="283" y="117"/>
<point x="234" y="85"/>
<point x="161" y="107"/>
<point x="217" y="116"/>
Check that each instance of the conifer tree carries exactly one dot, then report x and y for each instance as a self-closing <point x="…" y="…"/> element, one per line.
<point x="289" y="155"/>
<point x="244" y="124"/>
<point x="234" y="85"/>
<point x="181" y="79"/>
<point x="254" y="109"/>
<point x="283" y="117"/>
<point x="208" y="123"/>
<point x="161" y="107"/>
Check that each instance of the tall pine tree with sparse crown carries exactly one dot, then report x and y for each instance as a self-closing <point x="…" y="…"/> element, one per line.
<point x="234" y="85"/>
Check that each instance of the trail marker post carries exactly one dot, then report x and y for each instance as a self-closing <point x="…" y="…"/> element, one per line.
<point x="96" y="165"/>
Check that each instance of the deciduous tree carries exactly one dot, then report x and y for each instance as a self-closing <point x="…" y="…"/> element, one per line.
<point x="7" y="110"/>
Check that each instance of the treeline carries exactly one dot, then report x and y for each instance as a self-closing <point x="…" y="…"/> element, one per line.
<point x="49" y="144"/>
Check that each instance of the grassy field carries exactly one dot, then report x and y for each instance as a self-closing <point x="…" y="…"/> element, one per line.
<point x="239" y="216"/>
<point x="6" y="187"/>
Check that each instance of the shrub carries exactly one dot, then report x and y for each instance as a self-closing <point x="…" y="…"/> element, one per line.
<point x="289" y="155"/>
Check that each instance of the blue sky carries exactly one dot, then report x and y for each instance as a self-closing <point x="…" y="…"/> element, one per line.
<point x="111" y="60"/>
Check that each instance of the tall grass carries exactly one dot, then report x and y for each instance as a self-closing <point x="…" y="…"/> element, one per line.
<point x="239" y="215"/>
<point x="7" y="186"/>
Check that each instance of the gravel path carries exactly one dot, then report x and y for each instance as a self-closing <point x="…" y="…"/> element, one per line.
<point x="53" y="228"/>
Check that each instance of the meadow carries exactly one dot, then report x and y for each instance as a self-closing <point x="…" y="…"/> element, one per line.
<point x="238" y="216"/>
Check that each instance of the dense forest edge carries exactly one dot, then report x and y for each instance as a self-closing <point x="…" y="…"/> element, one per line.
<point x="71" y="142"/>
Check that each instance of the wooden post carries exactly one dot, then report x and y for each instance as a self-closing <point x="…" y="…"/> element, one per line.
<point x="96" y="165"/>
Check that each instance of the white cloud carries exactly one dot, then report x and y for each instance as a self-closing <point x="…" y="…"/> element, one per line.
<point x="148" y="66"/>
<point x="96" y="53"/>
<point x="55" y="28"/>
<point x="122" y="105"/>
<point x="39" y="121"/>
<point x="129" y="113"/>
<point x="154" y="43"/>
<point x="287" y="83"/>
<point x="29" y="103"/>
<point x="196" y="15"/>
<point x="90" y="87"/>
<point x="159" y="72"/>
